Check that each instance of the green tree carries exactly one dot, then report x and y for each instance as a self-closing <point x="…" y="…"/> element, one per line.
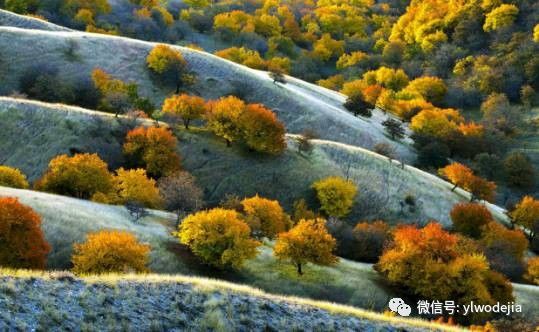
<point x="336" y="195"/>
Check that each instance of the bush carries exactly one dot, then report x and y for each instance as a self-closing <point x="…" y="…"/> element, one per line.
<point x="307" y="242"/>
<point x="22" y="243"/>
<point x="532" y="271"/>
<point x="469" y="218"/>
<point x="370" y="239"/>
<point x="12" y="177"/>
<point x="219" y="237"/>
<point x="504" y="249"/>
<point x="109" y="251"/>
<point x="81" y="176"/>
<point x="432" y="264"/>
<point x="265" y="217"/>
<point x="336" y="195"/>
<point x="152" y="148"/>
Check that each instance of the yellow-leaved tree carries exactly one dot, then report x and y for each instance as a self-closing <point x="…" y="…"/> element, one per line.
<point x="109" y="251"/>
<point x="12" y="177"/>
<point x="169" y="65"/>
<point x="307" y="242"/>
<point x="223" y="118"/>
<point x="184" y="107"/>
<point x="219" y="237"/>
<point x="336" y="195"/>
<point x="133" y="186"/>
<point x="265" y="217"/>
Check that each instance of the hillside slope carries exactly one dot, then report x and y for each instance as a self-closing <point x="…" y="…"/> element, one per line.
<point x="8" y="18"/>
<point x="33" y="133"/>
<point x="299" y="105"/>
<point x="173" y="303"/>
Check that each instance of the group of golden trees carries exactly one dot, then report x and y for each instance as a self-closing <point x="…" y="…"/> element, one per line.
<point x="232" y="119"/>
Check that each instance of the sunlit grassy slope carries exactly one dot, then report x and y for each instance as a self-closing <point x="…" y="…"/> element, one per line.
<point x="299" y="105"/>
<point x="35" y="301"/>
<point x="67" y="220"/>
<point x="8" y="18"/>
<point x="33" y="133"/>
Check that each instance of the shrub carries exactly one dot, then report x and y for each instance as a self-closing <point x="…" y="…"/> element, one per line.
<point x="219" y="237"/>
<point x="110" y="251"/>
<point x="184" y="107"/>
<point x="261" y="130"/>
<point x="12" y="177"/>
<point x="394" y="128"/>
<point x="307" y="242"/>
<point x="432" y="264"/>
<point x="370" y="239"/>
<point x="152" y="148"/>
<point x="336" y="195"/>
<point x="504" y="249"/>
<point x="265" y="217"/>
<point x="519" y="171"/>
<point x="468" y="218"/>
<point x="22" y="243"/>
<point x="532" y="272"/>
<point x="169" y="65"/>
<point x="81" y="176"/>
<point x="181" y="193"/>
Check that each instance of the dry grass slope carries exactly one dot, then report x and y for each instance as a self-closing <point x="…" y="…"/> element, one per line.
<point x="299" y="105"/>
<point x="174" y="303"/>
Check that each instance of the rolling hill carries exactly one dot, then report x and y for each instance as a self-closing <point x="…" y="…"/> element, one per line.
<point x="33" y="133"/>
<point x="300" y="105"/>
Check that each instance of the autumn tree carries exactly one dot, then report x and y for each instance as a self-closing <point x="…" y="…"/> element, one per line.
<point x="134" y="186"/>
<point x="532" y="271"/>
<point x="81" y="176"/>
<point x="307" y="242"/>
<point x="458" y="174"/>
<point x="219" y="237"/>
<point x="265" y="217"/>
<point x="370" y="239"/>
<point x="302" y="211"/>
<point x="504" y="249"/>
<point x="110" y="251"/>
<point x="439" y="123"/>
<point x="394" y="128"/>
<point x="169" y="65"/>
<point x="432" y="89"/>
<point x="12" y="177"/>
<point x="433" y="264"/>
<point x="358" y="106"/>
<point x="336" y="195"/>
<point x="184" y="107"/>
<point x="261" y="130"/>
<point x="500" y="17"/>
<point x="117" y="96"/>
<point x="181" y="193"/>
<point x="519" y="170"/>
<point x="526" y="214"/>
<point x="22" y="243"/>
<point x="481" y="189"/>
<point x="277" y="76"/>
<point x="223" y="118"/>
<point x="152" y="148"/>
<point x="469" y="218"/>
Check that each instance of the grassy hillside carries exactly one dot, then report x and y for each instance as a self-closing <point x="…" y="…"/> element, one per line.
<point x="33" y="133"/>
<point x="66" y="221"/>
<point x="173" y="302"/>
<point x="8" y="18"/>
<point x="299" y="105"/>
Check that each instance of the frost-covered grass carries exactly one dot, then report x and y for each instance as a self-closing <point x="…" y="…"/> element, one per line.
<point x="35" y="300"/>
<point x="300" y="108"/>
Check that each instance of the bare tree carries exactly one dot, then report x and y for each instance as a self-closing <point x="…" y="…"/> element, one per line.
<point x="180" y="193"/>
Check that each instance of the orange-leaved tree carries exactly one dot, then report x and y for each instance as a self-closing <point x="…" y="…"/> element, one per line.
<point x="462" y="176"/>
<point x="110" y="251"/>
<point x="152" y="148"/>
<point x="261" y="130"/>
<point x="22" y="243"/>
<point x="432" y="264"/>
<point x="265" y="217"/>
<point x="184" y="107"/>
<point x="223" y="118"/>
<point x="336" y="195"/>
<point x="307" y="242"/>
<point x="526" y="214"/>
<point x="219" y="237"/>
<point x="12" y="177"/>
<point x="532" y="271"/>
<point x="468" y="218"/>
<point x="81" y="176"/>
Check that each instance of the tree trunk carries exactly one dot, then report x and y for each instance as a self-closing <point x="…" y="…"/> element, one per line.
<point x="186" y="124"/>
<point x="228" y="143"/>
<point x="300" y="272"/>
<point x="455" y="187"/>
